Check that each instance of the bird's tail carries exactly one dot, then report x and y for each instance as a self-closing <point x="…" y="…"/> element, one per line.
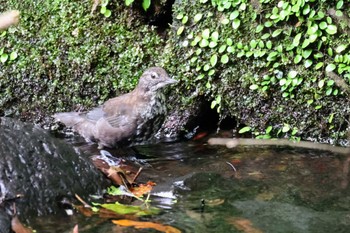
<point x="70" y="119"/>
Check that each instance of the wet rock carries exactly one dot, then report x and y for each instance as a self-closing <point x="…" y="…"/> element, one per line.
<point x="41" y="168"/>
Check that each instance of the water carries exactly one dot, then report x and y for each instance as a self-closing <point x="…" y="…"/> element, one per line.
<point x="203" y="188"/>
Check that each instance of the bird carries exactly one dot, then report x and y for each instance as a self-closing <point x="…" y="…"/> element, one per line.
<point x="122" y="118"/>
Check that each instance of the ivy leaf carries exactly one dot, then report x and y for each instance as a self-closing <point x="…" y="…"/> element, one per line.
<point x="224" y="59"/>
<point x="13" y="56"/>
<point x="244" y="130"/>
<point x="4" y="57"/>
<point x="214" y="60"/>
<point x="236" y="23"/>
<point x="330" y="67"/>
<point x="128" y="2"/>
<point x="308" y="63"/>
<point x="331" y="29"/>
<point x="146" y="4"/>
<point x="297" y="58"/>
<point x="296" y="39"/>
<point x="341" y="48"/>
<point x="197" y="17"/>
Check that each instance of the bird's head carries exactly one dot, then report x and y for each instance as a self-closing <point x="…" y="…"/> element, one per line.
<point x="154" y="78"/>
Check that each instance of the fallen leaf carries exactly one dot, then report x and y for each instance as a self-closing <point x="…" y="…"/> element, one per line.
<point x="144" y="225"/>
<point x="129" y="209"/>
<point x="243" y="224"/>
<point x="142" y="189"/>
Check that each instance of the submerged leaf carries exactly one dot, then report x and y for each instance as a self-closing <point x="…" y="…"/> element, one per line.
<point x="129" y="209"/>
<point x="144" y="225"/>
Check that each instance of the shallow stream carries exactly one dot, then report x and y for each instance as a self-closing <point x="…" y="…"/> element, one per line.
<point x="202" y="188"/>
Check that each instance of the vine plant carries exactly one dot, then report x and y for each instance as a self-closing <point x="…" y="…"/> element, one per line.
<point x="290" y="40"/>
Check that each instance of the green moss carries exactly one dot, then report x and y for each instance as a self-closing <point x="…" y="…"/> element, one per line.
<point x="69" y="58"/>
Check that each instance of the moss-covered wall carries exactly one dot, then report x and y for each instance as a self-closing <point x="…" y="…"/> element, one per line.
<point x="68" y="57"/>
<point x="280" y="68"/>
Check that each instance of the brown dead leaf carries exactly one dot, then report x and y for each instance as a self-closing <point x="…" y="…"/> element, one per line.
<point x="144" y="225"/>
<point x="143" y="189"/>
<point x="243" y="224"/>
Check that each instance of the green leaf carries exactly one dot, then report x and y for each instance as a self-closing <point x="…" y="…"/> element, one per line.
<point x="307" y="63"/>
<point x="206" y="33"/>
<point x="330" y="67"/>
<point x="180" y="30"/>
<point x="103" y="9"/>
<point x="222" y="48"/>
<point x="292" y="74"/>
<point x="146" y="4"/>
<point x="184" y="19"/>
<point x="259" y="28"/>
<point x="341" y="48"/>
<point x="129" y="209"/>
<point x="253" y="87"/>
<point x="318" y="65"/>
<point x="4" y="57"/>
<point x="108" y="13"/>
<point x="214" y="60"/>
<point x="244" y="130"/>
<point x="128" y="2"/>
<point x="179" y="16"/>
<point x="229" y="41"/>
<point x="203" y="43"/>
<point x="329" y="91"/>
<point x="331" y="29"/>
<point x="297" y="58"/>
<point x="306" y="53"/>
<point x="339" y="4"/>
<point x="13" y="56"/>
<point x="321" y="83"/>
<point x="197" y="17"/>
<point x="285" y="128"/>
<point x="276" y="32"/>
<point x="234" y="15"/>
<point x="225" y="21"/>
<point x="296" y="39"/>
<point x="323" y="25"/>
<point x="224" y="59"/>
<point x="215" y="36"/>
<point x="236" y="23"/>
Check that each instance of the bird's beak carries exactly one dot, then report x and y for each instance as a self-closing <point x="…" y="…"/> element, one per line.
<point x="171" y="81"/>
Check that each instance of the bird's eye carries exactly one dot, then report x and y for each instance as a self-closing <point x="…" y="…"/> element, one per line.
<point x="153" y="76"/>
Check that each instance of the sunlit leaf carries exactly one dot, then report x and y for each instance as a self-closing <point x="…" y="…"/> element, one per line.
<point x="197" y="17"/>
<point x="331" y="29"/>
<point x="236" y="23"/>
<point x="341" y="48"/>
<point x="330" y="67"/>
<point x="224" y="59"/>
<point x="296" y="39"/>
<point x="214" y="60"/>
<point x="297" y="58"/>
<point x="253" y="87"/>
<point x="13" y="55"/>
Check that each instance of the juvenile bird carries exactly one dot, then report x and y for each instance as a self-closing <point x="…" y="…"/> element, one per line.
<point x="124" y="117"/>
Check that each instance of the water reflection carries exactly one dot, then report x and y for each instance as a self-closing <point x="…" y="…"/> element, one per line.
<point x="274" y="189"/>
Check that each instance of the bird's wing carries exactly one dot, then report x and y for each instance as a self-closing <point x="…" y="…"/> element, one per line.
<point x="95" y="114"/>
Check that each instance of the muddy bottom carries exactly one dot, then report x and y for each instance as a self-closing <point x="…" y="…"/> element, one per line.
<point x="203" y="188"/>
